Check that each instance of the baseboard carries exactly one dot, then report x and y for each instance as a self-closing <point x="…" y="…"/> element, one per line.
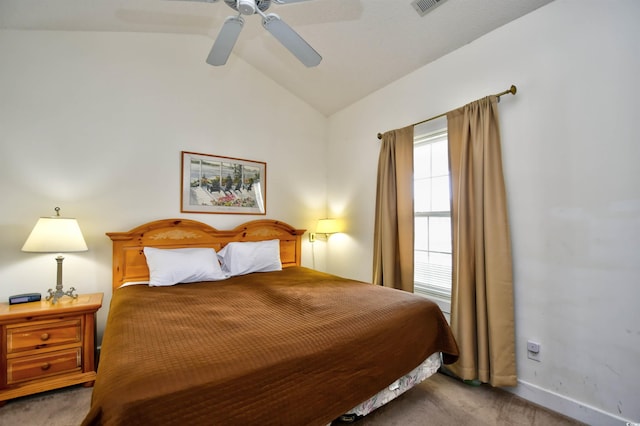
<point x="566" y="406"/>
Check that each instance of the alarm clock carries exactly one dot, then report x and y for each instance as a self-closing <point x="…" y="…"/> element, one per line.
<point x="24" y="298"/>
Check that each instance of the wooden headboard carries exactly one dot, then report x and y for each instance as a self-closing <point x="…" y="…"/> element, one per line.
<point x="130" y="264"/>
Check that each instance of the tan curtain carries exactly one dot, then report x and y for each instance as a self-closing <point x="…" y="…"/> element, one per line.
<point x="393" y="233"/>
<point x="482" y="315"/>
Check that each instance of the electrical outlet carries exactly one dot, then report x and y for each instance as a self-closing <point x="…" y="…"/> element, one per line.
<point x="533" y="350"/>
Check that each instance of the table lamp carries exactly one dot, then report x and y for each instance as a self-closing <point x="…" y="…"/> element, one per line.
<point x="56" y="234"/>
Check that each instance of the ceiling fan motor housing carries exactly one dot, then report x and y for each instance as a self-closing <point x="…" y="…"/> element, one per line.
<point x="248" y="7"/>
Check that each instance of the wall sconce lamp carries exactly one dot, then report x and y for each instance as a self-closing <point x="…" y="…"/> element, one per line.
<point x="326" y="227"/>
<point x="56" y="234"/>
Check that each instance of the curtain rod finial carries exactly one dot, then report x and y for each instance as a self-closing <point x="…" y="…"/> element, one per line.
<point x="513" y="89"/>
<point x="379" y="135"/>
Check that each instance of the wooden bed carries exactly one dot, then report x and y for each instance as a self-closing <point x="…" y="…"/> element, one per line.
<point x="285" y="347"/>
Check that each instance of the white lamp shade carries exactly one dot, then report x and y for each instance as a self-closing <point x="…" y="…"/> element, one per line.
<point x="328" y="226"/>
<point x="55" y="235"/>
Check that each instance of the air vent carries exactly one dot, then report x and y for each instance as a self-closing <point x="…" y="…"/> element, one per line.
<point x="424" y="6"/>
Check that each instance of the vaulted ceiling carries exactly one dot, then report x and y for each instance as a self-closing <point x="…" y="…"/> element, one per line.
<point x="365" y="44"/>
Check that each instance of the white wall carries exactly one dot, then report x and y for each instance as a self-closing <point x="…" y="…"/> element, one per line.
<point x="571" y="148"/>
<point x="95" y="122"/>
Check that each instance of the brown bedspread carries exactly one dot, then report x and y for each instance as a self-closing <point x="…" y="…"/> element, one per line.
<point x="295" y="347"/>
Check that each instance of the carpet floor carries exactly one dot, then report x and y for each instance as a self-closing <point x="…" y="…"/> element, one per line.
<point x="438" y="401"/>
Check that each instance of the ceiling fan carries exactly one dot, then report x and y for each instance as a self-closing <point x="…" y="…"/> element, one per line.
<point x="232" y="26"/>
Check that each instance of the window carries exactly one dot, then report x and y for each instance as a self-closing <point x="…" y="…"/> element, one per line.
<point x="432" y="217"/>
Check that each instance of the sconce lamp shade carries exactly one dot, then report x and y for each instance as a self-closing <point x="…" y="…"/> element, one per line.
<point x="55" y="235"/>
<point x="328" y="226"/>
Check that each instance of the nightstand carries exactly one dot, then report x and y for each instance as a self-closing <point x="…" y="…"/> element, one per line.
<point x="47" y="346"/>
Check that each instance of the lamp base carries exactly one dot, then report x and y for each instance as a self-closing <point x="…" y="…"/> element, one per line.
<point x="58" y="293"/>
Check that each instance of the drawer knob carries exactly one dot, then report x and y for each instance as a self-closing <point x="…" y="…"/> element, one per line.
<point x="44" y="337"/>
<point x="45" y="366"/>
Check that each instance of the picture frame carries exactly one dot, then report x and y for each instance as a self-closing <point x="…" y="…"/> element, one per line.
<point x="223" y="185"/>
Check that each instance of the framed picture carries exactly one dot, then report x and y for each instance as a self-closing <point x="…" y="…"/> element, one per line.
<point x="215" y="184"/>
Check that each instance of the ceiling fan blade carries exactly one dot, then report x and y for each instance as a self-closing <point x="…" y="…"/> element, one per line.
<point x="227" y="38"/>
<point x="291" y="40"/>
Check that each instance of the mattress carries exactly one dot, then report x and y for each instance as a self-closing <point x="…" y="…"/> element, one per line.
<point x="419" y="374"/>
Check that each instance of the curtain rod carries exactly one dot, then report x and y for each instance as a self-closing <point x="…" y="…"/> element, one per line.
<point x="513" y="89"/>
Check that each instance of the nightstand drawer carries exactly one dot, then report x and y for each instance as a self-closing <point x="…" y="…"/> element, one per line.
<point x="43" y="335"/>
<point x="36" y="366"/>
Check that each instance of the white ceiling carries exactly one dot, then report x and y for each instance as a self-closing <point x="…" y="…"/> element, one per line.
<point x="365" y="44"/>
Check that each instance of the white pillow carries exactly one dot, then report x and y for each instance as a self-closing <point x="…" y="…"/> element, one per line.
<point x="186" y="265"/>
<point x="240" y="258"/>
